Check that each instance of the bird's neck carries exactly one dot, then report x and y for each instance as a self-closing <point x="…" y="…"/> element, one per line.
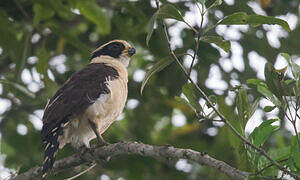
<point x="119" y="66"/>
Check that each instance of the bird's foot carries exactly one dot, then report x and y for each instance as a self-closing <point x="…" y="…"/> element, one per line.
<point x="101" y="144"/>
<point x="104" y="159"/>
<point x="101" y="141"/>
<point x="85" y="153"/>
<point x="83" y="149"/>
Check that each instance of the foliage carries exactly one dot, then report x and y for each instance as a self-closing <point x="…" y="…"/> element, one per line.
<point x="47" y="41"/>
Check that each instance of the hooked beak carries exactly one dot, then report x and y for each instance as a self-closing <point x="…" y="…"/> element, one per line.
<point x="131" y="51"/>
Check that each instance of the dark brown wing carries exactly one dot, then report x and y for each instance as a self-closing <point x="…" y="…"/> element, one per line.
<point x="74" y="97"/>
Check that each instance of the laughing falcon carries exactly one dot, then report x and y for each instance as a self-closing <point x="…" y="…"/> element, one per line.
<point x="88" y="102"/>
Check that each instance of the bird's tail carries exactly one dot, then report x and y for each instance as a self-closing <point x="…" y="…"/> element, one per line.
<point x="51" y="145"/>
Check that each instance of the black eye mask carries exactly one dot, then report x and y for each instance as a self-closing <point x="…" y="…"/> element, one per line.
<point x="113" y="49"/>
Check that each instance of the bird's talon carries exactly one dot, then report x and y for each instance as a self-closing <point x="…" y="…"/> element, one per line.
<point x="106" y="144"/>
<point x="84" y="149"/>
<point x="102" y="142"/>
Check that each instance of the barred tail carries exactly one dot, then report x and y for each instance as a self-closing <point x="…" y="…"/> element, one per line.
<point x="51" y="144"/>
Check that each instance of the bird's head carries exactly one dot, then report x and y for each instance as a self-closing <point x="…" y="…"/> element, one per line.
<point x="117" y="49"/>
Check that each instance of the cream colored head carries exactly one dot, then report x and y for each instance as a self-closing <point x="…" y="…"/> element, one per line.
<point x="117" y="49"/>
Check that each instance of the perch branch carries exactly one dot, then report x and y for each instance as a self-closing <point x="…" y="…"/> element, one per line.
<point x="123" y="148"/>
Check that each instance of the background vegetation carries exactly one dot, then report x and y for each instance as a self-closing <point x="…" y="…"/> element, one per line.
<point x="44" y="42"/>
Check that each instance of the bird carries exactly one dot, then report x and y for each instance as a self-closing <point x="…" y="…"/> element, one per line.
<point x="88" y="102"/>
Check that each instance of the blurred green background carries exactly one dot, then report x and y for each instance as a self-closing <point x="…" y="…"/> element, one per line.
<point x="42" y="43"/>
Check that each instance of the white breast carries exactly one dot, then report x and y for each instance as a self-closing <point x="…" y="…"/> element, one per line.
<point x="107" y="108"/>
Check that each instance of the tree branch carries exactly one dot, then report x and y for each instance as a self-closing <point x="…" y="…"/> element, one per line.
<point x="123" y="148"/>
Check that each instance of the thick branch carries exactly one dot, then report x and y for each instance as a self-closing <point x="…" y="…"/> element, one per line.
<point x="122" y="148"/>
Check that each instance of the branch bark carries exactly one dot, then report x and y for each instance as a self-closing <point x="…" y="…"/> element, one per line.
<point x="122" y="148"/>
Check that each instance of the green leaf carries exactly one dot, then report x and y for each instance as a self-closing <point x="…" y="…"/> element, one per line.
<point x="255" y="20"/>
<point x="280" y="153"/>
<point x="294" y="67"/>
<point x="183" y="101"/>
<point x="94" y="13"/>
<point x="295" y="70"/>
<point x="169" y="11"/>
<point x="43" y="65"/>
<point x="269" y="108"/>
<point x="41" y="13"/>
<point x="216" y="3"/>
<point x="238" y="148"/>
<point x="8" y="37"/>
<point x="261" y="133"/>
<point x="263" y="89"/>
<point x="276" y="154"/>
<point x="295" y="151"/>
<point x="253" y="158"/>
<point x="189" y="91"/>
<point x="7" y="149"/>
<point x="253" y="107"/>
<point x="160" y="65"/>
<point x="290" y="81"/>
<point x="150" y="28"/>
<point x="286" y="56"/>
<point x="21" y="61"/>
<point x="273" y="81"/>
<point x="18" y="87"/>
<point x="217" y="40"/>
<point x="235" y="18"/>
<point x="254" y="81"/>
<point x="241" y="18"/>
<point x="243" y="107"/>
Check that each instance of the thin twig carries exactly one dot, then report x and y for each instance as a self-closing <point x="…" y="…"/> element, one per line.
<point x="297" y="137"/>
<point x="192" y="28"/>
<point x="26" y="48"/>
<point x="293" y="121"/>
<point x="270" y="165"/>
<point x="198" y="38"/>
<point x="197" y="5"/>
<point x="215" y="120"/>
<point x="21" y="9"/>
<point x="195" y="53"/>
<point x="289" y="109"/>
<point x="260" y="151"/>
<point x="81" y="173"/>
<point x="297" y="106"/>
<point x="296" y="115"/>
<point x="187" y="54"/>
<point x="268" y="177"/>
